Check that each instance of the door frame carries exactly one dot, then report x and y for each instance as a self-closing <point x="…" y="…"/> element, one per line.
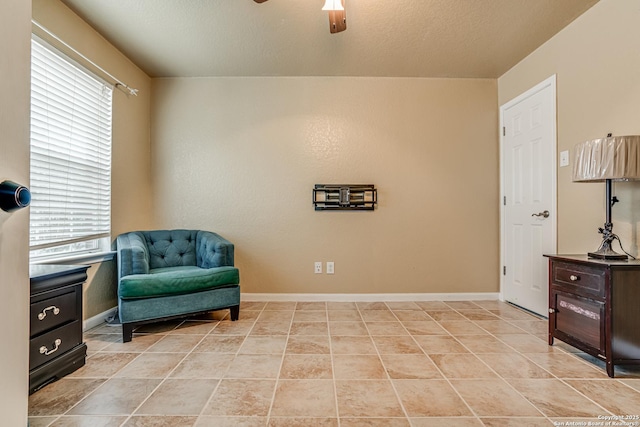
<point x="549" y="82"/>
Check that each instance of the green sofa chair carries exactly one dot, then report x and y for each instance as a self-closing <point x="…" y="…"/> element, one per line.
<point x="166" y="274"/>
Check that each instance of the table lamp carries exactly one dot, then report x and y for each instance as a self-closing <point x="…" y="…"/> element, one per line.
<point x="605" y="160"/>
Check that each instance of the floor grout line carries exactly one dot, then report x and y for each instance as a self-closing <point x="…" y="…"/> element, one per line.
<point x="215" y="389"/>
<point x="169" y="373"/>
<point x="282" y="357"/>
<point x="393" y="386"/>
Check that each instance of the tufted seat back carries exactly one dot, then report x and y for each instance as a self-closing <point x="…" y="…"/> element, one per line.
<point x="171" y="248"/>
<point x="142" y="251"/>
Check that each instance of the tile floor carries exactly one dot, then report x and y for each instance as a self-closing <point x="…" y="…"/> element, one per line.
<point x="339" y="364"/>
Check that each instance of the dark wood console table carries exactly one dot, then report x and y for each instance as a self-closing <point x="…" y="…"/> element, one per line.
<point x="55" y="323"/>
<point x="593" y="306"/>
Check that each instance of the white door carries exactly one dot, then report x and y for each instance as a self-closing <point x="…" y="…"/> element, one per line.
<point x="528" y="152"/>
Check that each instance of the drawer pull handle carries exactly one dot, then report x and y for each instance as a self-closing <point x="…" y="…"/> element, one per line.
<point x="42" y="315"/>
<point x="551" y="310"/>
<point x="44" y="350"/>
<point x="574" y="278"/>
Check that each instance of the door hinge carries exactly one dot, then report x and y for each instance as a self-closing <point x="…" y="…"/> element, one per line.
<point x="504" y="200"/>
<point x="504" y="270"/>
<point x="504" y="131"/>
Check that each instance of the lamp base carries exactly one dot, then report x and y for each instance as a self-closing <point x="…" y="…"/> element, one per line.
<point x="607" y="253"/>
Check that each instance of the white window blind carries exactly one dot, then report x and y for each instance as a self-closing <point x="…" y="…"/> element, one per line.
<point x="70" y="153"/>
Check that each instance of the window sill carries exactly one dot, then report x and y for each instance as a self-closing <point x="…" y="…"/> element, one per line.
<point x="92" y="258"/>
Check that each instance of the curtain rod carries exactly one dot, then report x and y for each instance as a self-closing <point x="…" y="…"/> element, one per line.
<point x="118" y="83"/>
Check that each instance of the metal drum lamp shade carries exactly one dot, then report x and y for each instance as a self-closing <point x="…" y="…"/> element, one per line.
<point x="605" y="160"/>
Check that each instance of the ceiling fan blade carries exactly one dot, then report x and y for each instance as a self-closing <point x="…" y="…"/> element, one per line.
<point x="337" y="21"/>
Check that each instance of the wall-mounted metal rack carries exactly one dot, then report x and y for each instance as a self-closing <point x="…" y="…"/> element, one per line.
<point x="345" y="197"/>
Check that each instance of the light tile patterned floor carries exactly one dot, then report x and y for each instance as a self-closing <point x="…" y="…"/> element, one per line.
<point x="451" y="364"/>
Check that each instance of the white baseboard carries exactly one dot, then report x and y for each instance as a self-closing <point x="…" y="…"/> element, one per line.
<point x="98" y="319"/>
<point x="371" y="297"/>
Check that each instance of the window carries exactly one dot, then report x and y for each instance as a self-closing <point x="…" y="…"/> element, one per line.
<point x="70" y="157"/>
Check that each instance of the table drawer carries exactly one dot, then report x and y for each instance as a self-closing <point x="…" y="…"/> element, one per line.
<point x="52" y="312"/>
<point x="54" y="343"/>
<point x="581" y="279"/>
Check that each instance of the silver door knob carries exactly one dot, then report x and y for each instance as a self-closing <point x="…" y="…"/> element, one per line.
<point x="544" y="214"/>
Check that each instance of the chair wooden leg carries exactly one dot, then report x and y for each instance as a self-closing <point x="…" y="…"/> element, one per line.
<point x="235" y="312"/>
<point x="127" y="332"/>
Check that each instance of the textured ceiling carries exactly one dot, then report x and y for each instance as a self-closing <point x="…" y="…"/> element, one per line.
<point x="395" y="38"/>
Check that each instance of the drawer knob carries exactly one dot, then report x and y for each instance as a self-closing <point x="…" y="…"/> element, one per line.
<point x="43" y="314"/>
<point x="551" y="310"/>
<point x="44" y="350"/>
<point x="574" y="278"/>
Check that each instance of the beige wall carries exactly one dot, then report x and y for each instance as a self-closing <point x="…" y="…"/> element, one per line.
<point x="240" y="156"/>
<point x="15" y="36"/>
<point x="131" y="173"/>
<point x="597" y="63"/>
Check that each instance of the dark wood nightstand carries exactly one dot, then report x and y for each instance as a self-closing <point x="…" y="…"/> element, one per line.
<point x="55" y="344"/>
<point x="594" y="305"/>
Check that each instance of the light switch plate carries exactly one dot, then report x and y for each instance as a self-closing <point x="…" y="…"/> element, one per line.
<point x="564" y="158"/>
<point x="330" y="267"/>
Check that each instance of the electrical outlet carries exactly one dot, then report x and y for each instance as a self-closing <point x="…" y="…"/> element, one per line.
<point x="330" y="267"/>
<point x="564" y="158"/>
<point x="317" y="267"/>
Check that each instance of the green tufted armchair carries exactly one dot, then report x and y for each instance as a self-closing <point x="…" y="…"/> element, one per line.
<point x="164" y="274"/>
